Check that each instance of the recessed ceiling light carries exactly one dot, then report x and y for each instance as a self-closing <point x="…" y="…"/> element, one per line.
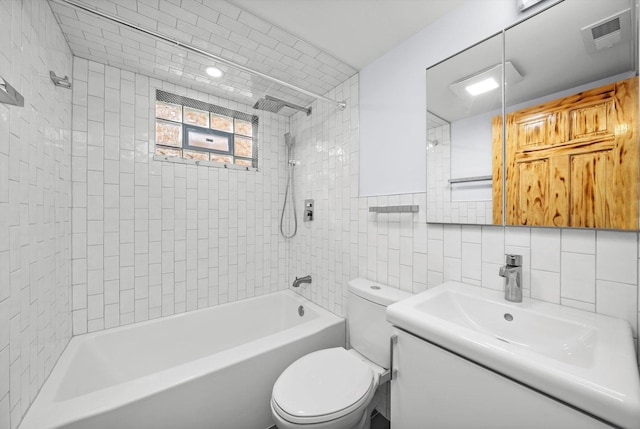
<point x="214" y="72"/>
<point x="482" y="86"/>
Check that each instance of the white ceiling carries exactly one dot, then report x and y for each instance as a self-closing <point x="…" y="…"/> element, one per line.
<point x="354" y="31"/>
<point x="313" y="44"/>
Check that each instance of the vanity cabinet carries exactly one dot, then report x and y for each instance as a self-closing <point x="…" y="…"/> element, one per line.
<point x="434" y="388"/>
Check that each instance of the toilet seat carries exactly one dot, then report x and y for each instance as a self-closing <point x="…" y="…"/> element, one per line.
<point x="323" y="386"/>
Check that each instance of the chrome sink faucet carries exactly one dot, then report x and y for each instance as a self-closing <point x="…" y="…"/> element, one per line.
<point x="298" y="281"/>
<point x="512" y="273"/>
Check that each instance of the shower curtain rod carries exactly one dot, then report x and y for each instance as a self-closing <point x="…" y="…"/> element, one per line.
<point x="77" y="5"/>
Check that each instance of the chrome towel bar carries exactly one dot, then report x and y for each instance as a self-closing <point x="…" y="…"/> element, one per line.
<point x="471" y="179"/>
<point x="395" y="209"/>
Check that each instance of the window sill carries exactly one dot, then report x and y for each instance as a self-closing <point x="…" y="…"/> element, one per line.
<point x="203" y="163"/>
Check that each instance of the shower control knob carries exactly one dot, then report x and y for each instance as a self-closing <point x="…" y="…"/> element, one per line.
<point x="308" y="210"/>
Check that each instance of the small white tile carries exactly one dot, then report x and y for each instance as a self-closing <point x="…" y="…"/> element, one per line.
<point x="420" y="238"/>
<point x="111" y="315"/>
<point x="578" y="241"/>
<point x="517" y="236"/>
<point x="452" y="269"/>
<point x="434" y="278"/>
<point x="545" y="249"/>
<point x="578" y="277"/>
<point x="452" y="235"/>
<point x="435" y="255"/>
<point x="490" y="277"/>
<point x="79" y="296"/>
<point x="420" y="268"/>
<point x="406" y="251"/>
<point x="616" y="256"/>
<point x="79" y="322"/>
<point x="493" y="244"/>
<point x="95" y="309"/>
<point x="545" y="286"/>
<point x="471" y="234"/>
<point x="618" y="300"/>
<point x="435" y="231"/>
<point x="471" y="261"/>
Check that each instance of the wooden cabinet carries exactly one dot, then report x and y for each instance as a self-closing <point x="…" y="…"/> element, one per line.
<point x="572" y="161"/>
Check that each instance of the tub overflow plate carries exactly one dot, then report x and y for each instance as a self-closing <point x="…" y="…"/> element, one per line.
<point x="301" y="311"/>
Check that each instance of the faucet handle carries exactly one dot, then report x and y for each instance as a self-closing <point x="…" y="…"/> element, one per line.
<point x="515" y="260"/>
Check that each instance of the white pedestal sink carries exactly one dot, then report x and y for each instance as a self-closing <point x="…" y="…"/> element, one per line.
<point x="583" y="359"/>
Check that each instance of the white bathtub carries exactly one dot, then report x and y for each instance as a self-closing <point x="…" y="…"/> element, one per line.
<point x="211" y="368"/>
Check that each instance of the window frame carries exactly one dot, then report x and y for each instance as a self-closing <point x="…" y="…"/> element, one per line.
<point x="187" y="128"/>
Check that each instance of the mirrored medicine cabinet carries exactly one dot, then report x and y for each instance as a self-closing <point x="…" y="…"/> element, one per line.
<point x="538" y="124"/>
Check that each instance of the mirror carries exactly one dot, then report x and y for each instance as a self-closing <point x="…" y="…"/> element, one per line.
<point x="459" y="133"/>
<point x="571" y="146"/>
<point x="571" y="111"/>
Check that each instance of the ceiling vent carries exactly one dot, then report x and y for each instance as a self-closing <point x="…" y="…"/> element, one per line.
<point x="607" y="32"/>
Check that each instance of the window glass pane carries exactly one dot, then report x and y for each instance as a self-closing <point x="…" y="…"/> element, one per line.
<point x="168" y="151"/>
<point x="194" y="154"/>
<point x="244" y="162"/>
<point x="168" y="134"/>
<point x="221" y="158"/>
<point x="196" y="117"/>
<point x="221" y="123"/>
<point x="243" y="127"/>
<point x="172" y="112"/>
<point x="209" y="141"/>
<point x="242" y="147"/>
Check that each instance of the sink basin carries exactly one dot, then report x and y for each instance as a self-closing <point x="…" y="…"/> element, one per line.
<point x="561" y="339"/>
<point x="581" y="358"/>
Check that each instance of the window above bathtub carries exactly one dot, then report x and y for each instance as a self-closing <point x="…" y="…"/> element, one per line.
<point x="203" y="133"/>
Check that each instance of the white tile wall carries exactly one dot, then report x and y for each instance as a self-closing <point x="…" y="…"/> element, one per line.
<point x="35" y="205"/>
<point x="329" y="247"/>
<point x="592" y="270"/>
<point x="154" y="238"/>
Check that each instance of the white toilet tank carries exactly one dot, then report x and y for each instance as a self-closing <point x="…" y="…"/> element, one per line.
<point x="369" y="331"/>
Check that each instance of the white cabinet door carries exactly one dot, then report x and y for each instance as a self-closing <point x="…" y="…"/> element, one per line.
<point x="434" y="388"/>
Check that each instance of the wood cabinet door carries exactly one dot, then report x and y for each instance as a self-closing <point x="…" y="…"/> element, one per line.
<point x="574" y="161"/>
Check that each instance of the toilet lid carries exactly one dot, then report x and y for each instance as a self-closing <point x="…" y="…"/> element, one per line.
<point x="322" y="385"/>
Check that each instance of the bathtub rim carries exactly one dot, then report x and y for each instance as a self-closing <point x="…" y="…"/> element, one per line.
<point x="62" y="412"/>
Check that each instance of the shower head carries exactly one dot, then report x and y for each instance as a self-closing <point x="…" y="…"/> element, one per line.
<point x="273" y="104"/>
<point x="289" y="140"/>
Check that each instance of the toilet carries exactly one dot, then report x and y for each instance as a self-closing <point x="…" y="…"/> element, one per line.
<point x="333" y="388"/>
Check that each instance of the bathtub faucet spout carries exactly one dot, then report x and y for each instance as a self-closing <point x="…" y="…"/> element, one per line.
<point x="298" y="281"/>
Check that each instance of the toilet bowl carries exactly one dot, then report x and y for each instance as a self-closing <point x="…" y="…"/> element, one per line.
<point x="333" y="388"/>
<point x="327" y="389"/>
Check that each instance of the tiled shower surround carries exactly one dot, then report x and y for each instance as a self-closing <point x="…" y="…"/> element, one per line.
<point x="35" y="205"/>
<point x="153" y="238"/>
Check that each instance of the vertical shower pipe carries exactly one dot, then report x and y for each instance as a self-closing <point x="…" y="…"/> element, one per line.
<point x="289" y="142"/>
